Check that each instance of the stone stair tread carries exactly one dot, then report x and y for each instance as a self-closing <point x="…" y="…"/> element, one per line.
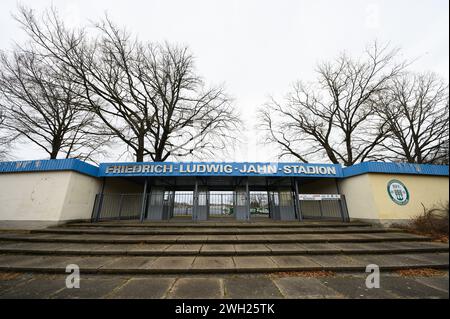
<point x="211" y="231"/>
<point x="231" y="264"/>
<point x="163" y="239"/>
<point x="219" y="249"/>
<point x="206" y="224"/>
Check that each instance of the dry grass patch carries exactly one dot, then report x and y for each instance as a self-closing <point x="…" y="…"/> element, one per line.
<point x="433" y="222"/>
<point x="311" y="274"/>
<point x="420" y="272"/>
<point x="9" y="275"/>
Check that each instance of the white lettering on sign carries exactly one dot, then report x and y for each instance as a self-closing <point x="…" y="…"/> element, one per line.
<point x="220" y="168"/>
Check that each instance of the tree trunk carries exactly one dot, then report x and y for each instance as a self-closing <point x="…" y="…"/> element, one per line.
<point x="140" y="149"/>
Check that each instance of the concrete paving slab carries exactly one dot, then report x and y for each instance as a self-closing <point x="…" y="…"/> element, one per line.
<point x="294" y="262"/>
<point x="422" y="244"/>
<point x="220" y="238"/>
<point x="78" y="247"/>
<point x="217" y="248"/>
<point x="320" y="248"/>
<point x="128" y="263"/>
<point x="251" y="287"/>
<point x="389" y="260"/>
<point x="303" y="287"/>
<point x="433" y="258"/>
<point x="196" y="288"/>
<point x="39" y="288"/>
<point x="136" y="248"/>
<point x="184" y="248"/>
<point x="156" y="238"/>
<point x="335" y="261"/>
<point x="216" y="262"/>
<point x="49" y="262"/>
<point x="196" y="238"/>
<point x="110" y="248"/>
<point x="90" y="288"/>
<point x="10" y="280"/>
<point x="286" y="247"/>
<point x="438" y="282"/>
<point x="93" y="263"/>
<point x="18" y="261"/>
<point x="248" y="263"/>
<point x="252" y="238"/>
<point x="172" y="263"/>
<point x="355" y="287"/>
<point x="350" y="247"/>
<point x="143" y="288"/>
<point x="406" y="287"/>
<point x="258" y="248"/>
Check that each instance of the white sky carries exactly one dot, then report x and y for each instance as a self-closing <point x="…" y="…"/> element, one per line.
<point x="258" y="48"/>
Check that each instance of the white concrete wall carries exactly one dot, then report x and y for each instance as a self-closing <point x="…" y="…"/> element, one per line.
<point x="80" y="197"/>
<point x="34" y="199"/>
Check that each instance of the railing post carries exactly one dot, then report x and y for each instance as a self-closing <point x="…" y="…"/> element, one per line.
<point x="321" y="209"/>
<point x="297" y="196"/>
<point x="144" y="201"/>
<point x="99" y="207"/>
<point x="120" y="205"/>
<point x="195" y="199"/>
<point x="344" y="210"/>
<point x="247" y="194"/>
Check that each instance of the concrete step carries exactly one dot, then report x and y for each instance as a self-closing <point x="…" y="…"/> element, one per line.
<point x="90" y="249"/>
<point x="224" y="264"/>
<point x="214" y="224"/>
<point x="213" y="230"/>
<point x="217" y="239"/>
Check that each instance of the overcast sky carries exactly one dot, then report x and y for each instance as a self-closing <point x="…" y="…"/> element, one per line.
<point x="258" y="48"/>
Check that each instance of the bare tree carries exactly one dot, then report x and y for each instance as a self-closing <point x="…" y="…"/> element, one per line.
<point x="334" y="118"/>
<point x="148" y="95"/>
<point x="46" y="107"/>
<point x="5" y="138"/>
<point x="416" y="110"/>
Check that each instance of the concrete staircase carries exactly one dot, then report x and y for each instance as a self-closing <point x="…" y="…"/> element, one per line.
<point x="217" y="247"/>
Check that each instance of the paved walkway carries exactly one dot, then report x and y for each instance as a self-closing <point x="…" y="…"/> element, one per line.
<point x="262" y="286"/>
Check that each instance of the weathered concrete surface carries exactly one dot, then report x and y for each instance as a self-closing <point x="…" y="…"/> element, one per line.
<point x="291" y="285"/>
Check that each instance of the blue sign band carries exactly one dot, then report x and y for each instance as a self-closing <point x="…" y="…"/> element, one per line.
<point x="220" y="169"/>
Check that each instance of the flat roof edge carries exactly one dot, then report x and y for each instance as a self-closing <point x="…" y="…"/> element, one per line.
<point x="395" y="168"/>
<point x="71" y="164"/>
<point x="95" y="171"/>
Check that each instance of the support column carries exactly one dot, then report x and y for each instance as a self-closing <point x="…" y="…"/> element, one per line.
<point x="144" y="200"/>
<point x="100" y="201"/>
<point x="342" y="204"/>
<point x="195" y="203"/>
<point x="269" y="200"/>
<point x="297" y="197"/>
<point x="247" y="192"/>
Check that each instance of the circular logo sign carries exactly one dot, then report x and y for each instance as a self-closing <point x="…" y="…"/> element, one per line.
<point x="398" y="192"/>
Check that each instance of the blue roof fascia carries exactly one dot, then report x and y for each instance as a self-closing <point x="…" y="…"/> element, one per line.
<point x="395" y="168"/>
<point x="92" y="170"/>
<point x="71" y="164"/>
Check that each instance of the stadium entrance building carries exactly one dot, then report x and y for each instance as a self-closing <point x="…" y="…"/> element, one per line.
<point x="202" y="191"/>
<point x="42" y="192"/>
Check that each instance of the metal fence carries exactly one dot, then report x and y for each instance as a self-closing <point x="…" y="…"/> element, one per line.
<point x="183" y="203"/>
<point x="167" y="204"/>
<point x="221" y="204"/>
<point x="117" y="206"/>
<point x="259" y="204"/>
<point x="324" y="209"/>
